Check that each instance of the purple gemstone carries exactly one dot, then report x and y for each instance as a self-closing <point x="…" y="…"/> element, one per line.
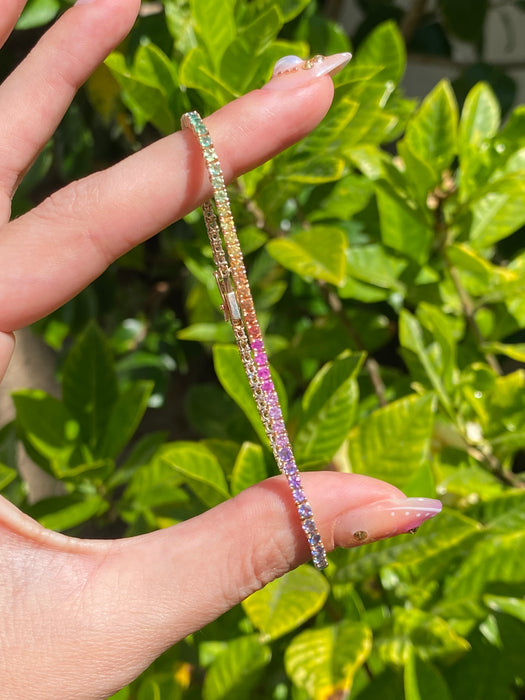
<point x="295" y="481"/>
<point x="274" y="412"/>
<point x="298" y="496"/>
<point x="305" y="511"/>
<point x="281" y="440"/>
<point x="319" y="552"/>
<point x="285" y="454"/>
<point x="309" y="526"/>
<point x="289" y="468"/>
<point x="257" y="345"/>
<point x="314" y="538"/>
<point x="267" y="386"/>
<point x="264" y="373"/>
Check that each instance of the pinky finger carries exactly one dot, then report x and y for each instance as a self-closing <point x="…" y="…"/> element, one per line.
<point x="9" y="15"/>
<point x="7" y="346"/>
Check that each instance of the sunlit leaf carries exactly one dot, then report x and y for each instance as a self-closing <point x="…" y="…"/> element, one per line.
<point x="324" y="661"/>
<point x="284" y="604"/>
<point x="236" y="670"/>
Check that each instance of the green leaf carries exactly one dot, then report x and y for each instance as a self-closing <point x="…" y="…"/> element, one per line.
<point x="384" y="47"/>
<point x="411" y="631"/>
<point x="373" y="264"/>
<point x="324" y="661"/>
<point x="230" y="372"/>
<point x="47" y="426"/>
<point x="283" y="605"/>
<point x="515" y="607"/>
<point x="215" y="24"/>
<point x="64" y="512"/>
<point x="89" y="384"/>
<point x="404" y="226"/>
<point x="495" y="560"/>
<point x="6" y="475"/>
<point x="480" y="117"/>
<point x="318" y="252"/>
<point x="394" y="441"/>
<point x="249" y="468"/>
<point x="411" y="337"/>
<point x="125" y="416"/>
<point x="431" y="134"/>
<point x="200" y="469"/>
<point x="497" y="212"/>
<point x="150" y="87"/>
<point x="423" y="681"/>
<point x="38" y="12"/>
<point x="328" y="409"/>
<point x="235" y="672"/>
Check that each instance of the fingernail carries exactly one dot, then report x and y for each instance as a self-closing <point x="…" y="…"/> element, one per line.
<point x="291" y="71"/>
<point x="84" y="2"/>
<point x="383" y="519"/>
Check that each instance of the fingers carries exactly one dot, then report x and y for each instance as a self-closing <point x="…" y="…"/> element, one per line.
<point x="54" y="251"/>
<point x="197" y="570"/>
<point x="120" y="604"/>
<point x="11" y="10"/>
<point x="35" y="96"/>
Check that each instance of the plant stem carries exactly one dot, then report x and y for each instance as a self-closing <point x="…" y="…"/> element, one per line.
<point x="468" y="309"/>
<point x="371" y="366"/>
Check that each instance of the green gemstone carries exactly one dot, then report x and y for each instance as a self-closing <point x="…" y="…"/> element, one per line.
<point x="205" y="141"/>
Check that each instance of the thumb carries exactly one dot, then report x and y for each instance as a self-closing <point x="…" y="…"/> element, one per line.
<point x="176" y="580"/>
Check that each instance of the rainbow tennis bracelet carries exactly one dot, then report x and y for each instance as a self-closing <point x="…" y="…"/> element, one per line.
<point x="239" y="310"/>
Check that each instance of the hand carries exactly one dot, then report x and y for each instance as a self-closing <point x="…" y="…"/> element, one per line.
<point x="80" y="619"/>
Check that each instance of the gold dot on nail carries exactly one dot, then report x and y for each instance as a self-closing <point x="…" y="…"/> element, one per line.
<point x="312" y="61"/>
<point x="360" y="535"/>
<point x="413" y="531"/>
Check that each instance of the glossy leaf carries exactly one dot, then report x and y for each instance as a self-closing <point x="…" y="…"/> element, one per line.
<point x="283" y="605"/>
<point x="249" y="468"/>
<point x="423" y="681"/>
<point x="496" y="213"/>
<point x="384" y="47"/>
<point x="404" y="227"/>
<point x="328" y="410"/>
<point x="215" y="24"/>
<point x="318" y="252"/>
<point x="47" y="426"/>
<point x="421" y="633"/>
<point x="234" y="672"/>
<point x="200" y="469"/>
<point x="230" y="372"/>
<point x="65" y="512"/>
<point x="515" y="607"/>
<point x="432" y="132"/>
<point x="480" y="117"/>
<point x="394" y="441"/>
<point x="89" y="384"/>
<point x="411" y="338"/>
<point x="126" y="414"/>
<point x="324" y="661"/>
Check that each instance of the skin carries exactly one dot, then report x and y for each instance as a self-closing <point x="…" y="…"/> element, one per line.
<point x="80" y="619"/>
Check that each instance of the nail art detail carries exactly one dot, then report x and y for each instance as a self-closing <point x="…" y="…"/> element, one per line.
<point x="384" y="519"/>
<point x="292" y="71"/>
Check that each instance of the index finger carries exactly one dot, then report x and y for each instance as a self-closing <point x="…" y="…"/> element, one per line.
<point x="54" y="251"/>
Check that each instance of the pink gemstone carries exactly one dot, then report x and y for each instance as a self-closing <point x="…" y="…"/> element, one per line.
<point x="264" y="373"/>
<point x="261" y="359"/>
<point x="267" y="386"/>
<point x="282" y="440"/>
<point x="275" y="412"/>
<point x="257" y="345"/>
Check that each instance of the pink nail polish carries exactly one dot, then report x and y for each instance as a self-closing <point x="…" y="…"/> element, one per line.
<point x="84" y="2"/>
<point x="383" y="519"/>
<point x="291" y="71"/>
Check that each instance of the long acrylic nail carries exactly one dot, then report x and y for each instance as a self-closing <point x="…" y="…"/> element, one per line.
<point x="383" y="519"/>
<point x="291" y="71"/>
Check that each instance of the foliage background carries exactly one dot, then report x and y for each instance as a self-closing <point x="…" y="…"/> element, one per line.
<point x="387" y="263"/>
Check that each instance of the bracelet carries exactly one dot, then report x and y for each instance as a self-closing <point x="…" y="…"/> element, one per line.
<point x="239" y="310"/>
